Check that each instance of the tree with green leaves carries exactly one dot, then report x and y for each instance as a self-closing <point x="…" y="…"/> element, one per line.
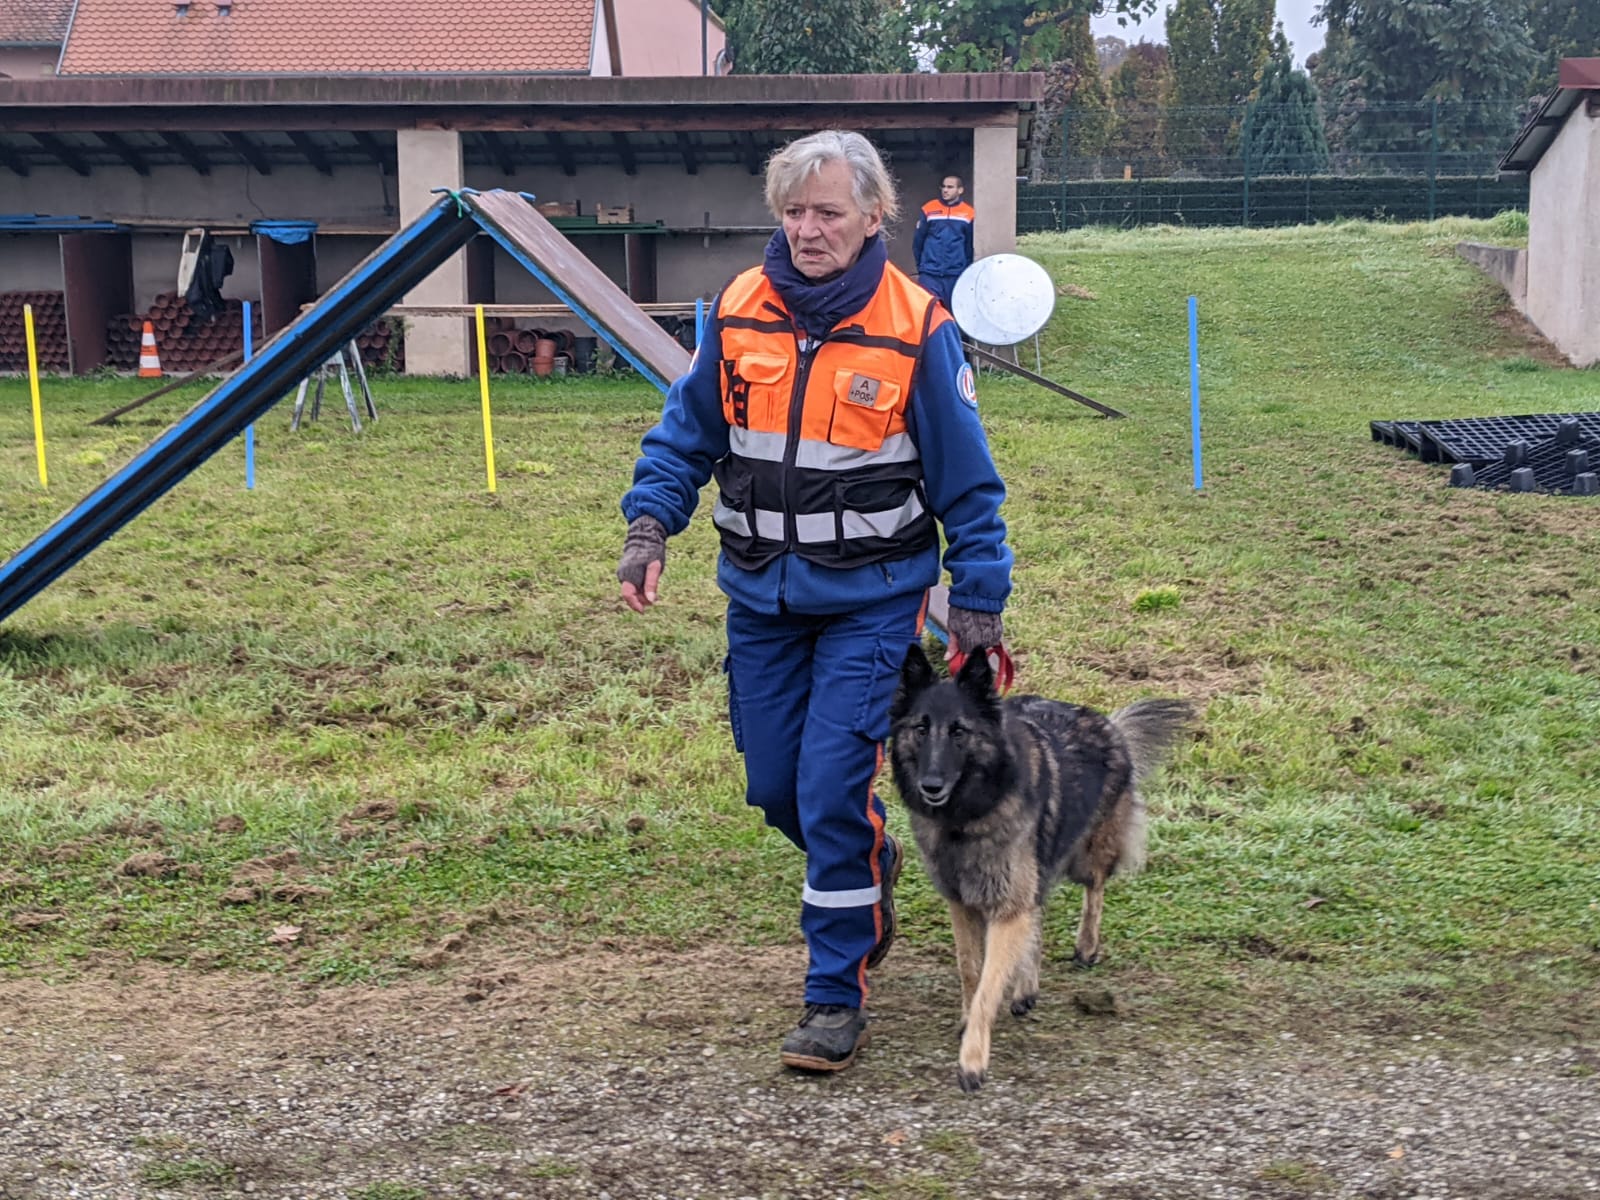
<point x="1006" y="35"/>
<point x="1385" y="61"/>
<point x="1410" y="50"/>
<point x="815" y="37"/>
<point x="1218" y="50"/>
<point x="1561" y="29"/>
<point x="1282" y="133"/>
<point x="1139" y="90"/>
<point x="1073" y="116"/>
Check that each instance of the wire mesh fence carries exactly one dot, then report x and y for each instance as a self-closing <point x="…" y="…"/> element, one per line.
<point x="1275" y="165"/>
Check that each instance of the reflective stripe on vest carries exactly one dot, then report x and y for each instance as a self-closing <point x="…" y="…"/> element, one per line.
<point x="938" y="210"/>
<point x="820" y="461"/>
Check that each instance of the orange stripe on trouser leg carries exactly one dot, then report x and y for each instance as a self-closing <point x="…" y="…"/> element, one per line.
<point x="876" y="822"/>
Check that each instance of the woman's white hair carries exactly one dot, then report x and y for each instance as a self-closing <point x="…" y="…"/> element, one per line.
<point x="872" y="188"/>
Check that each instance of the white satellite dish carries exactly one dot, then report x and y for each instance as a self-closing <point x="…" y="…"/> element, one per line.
<point x="1003" y="299"/>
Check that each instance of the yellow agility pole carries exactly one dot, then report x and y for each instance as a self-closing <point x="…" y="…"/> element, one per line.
<point x="33" y="386"/>
<point x="483" y="386"/>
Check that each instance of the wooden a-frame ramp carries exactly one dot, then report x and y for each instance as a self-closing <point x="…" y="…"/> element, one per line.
<point x="353" y="303"/>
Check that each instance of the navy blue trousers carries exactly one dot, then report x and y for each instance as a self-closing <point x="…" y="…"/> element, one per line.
<point x="940" y="285"/>
<point x="809" y="702"/>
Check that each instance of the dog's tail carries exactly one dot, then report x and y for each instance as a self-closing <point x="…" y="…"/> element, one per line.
<point x="1151" y="728"/>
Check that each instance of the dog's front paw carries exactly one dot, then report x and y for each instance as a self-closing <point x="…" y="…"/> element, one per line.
<point x="970" y="1081"/>
<point x="1084" y="962"/>
<point x="1023" y="1005"/>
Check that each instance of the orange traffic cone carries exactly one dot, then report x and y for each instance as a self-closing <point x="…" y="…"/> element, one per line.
<point x="149" y="360"/>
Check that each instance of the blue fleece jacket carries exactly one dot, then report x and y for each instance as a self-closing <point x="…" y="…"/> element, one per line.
<point x="963" y="489"/>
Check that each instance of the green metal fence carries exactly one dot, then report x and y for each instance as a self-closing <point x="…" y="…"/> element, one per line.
<point x="1274" y="165"/>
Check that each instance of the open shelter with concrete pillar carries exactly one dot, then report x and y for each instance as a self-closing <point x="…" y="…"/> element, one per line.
<point x="661" y="176"/>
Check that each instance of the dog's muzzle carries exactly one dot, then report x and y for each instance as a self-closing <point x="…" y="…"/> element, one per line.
<point x="935" y="797"/>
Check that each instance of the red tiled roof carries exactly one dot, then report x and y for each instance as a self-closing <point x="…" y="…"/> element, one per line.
<point x="313" y="37"/>
<point x="34" y="22"/>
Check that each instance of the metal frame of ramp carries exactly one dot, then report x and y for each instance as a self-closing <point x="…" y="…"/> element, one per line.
<point x="361" y="296"/>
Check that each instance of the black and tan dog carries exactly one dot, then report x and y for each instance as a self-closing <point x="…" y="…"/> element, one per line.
<point x="1007" y="797"/>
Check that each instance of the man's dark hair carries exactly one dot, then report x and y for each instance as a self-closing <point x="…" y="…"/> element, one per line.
<point x="960" y="182"/>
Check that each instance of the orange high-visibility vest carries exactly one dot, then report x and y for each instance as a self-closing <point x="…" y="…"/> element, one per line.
<point x="820" y="462"/>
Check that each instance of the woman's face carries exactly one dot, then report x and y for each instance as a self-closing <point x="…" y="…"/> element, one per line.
<point x="825" y="228"/>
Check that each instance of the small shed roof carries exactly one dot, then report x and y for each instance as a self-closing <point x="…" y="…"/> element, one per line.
<point x="34" y="22"/>
<point x="1579" y="77"/>
<point x="334" y="37"/>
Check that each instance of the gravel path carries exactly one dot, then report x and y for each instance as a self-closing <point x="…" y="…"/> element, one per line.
<point x="600" y="1078"/>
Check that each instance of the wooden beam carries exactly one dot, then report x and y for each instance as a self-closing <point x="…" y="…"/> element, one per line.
<point x="681" y="308"/>
<point x="67" y="154"/>
<point x="125" y="152"/>
<point x="500" y="151"/>
<point x="221" y="364"/>
<point x="252" y="153"/>
<point x="630" y="165"/>
<point x="312" y="151"/>
<point x="507" y="118"/>
<point x="563" y="152"/>
<point x="376" y="150"/>
<point x="188" y="151"/>
<point x="686" y="148"/>
<point x="14" y="162"/>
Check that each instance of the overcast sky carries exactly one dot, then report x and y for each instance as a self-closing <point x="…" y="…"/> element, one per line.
<point x="1305" y="37"/>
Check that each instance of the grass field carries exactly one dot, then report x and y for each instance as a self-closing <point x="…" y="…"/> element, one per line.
<point x="371" y="702"/>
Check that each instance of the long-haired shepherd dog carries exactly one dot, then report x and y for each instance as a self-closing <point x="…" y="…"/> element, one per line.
<point x="1006" y="798"/>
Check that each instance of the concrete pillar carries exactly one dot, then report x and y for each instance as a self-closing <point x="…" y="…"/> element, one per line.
<point x="432" y="158"/>
<point x="993" y="191"/>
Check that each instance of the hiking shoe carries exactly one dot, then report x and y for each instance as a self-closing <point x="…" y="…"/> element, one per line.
<point x="886" y="904"/>
<point x="826" y="1039"/>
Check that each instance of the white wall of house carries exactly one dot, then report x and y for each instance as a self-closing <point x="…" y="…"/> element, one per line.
<point x="28" y="62"/>
<point x="662" y="37"/>
<point x="1564" y="240"/>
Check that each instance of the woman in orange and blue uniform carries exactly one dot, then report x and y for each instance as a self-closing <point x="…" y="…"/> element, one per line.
<point x="831" y="401"/>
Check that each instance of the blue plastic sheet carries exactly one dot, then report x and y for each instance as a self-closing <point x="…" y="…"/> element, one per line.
<point x="286" y="233"/>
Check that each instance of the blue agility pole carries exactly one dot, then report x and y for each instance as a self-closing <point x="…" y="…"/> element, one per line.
<point x="699" y="322"/>
<point x="1194" y="386"/>
<point x="250" y="429"/>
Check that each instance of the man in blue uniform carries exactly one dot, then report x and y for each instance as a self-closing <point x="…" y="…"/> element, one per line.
<point x="942" y="244"/>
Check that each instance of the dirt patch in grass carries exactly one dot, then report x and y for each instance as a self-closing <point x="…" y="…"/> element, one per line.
<point x="1526" y="340"/>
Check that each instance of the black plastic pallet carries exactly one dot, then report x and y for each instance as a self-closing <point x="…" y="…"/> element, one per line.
<point x="1484" y="439"/>
<point x="1556" y="466"/>
<point x="1405" y="434"/>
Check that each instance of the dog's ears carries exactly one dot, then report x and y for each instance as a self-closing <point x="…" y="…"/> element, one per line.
<point x="976" y="680"/>
<point x="916" y="677"/>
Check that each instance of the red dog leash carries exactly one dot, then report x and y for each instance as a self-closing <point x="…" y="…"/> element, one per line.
<point x="1005" y="673"/>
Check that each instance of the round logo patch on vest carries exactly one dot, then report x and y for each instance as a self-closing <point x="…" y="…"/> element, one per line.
<point x="967" y="386"/>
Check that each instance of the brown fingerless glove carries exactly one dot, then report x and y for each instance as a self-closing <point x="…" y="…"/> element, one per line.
<point x="972" y="629"/>
<point x="646" y="543"/>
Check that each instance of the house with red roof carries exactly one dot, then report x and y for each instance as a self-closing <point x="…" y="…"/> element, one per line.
<point x="31" y="36"/>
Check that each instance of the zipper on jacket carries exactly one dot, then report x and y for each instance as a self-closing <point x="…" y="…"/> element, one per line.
<point x="796" y="416"/>
<point x="791" y="450"/>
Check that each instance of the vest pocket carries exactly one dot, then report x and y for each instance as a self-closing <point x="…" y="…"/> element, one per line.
<point x="862" y="409"/>
<point x="753" y="395"/>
